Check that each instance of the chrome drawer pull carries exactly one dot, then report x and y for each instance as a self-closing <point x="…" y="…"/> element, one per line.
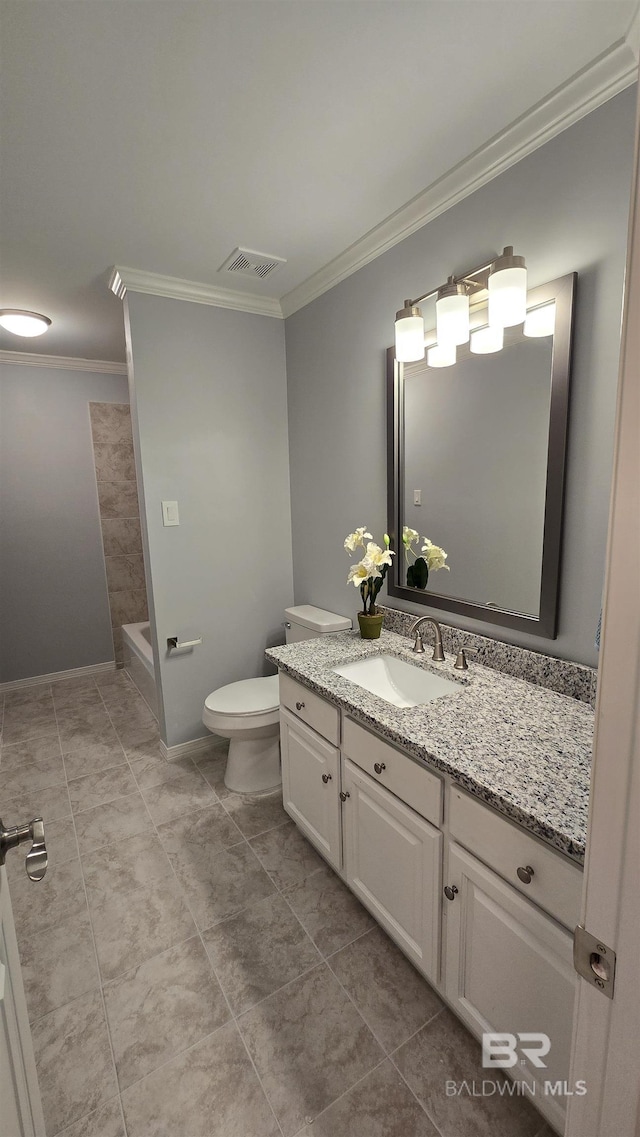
<point x="526" y="874"/>
<point x="451" y="891"/>
<point x="326" y="778"/>
<point x="379" y="767"/>
<point x="299" y="706"/>
<point x="344" y="795"/>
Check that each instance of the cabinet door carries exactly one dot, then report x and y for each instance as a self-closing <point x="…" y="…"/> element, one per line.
<point x="393" y="863"/>
<point x="311" y="785"/>
<point x="509" y="968"/>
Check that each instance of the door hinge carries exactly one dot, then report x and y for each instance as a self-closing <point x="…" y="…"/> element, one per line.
<point x="595" y="961"/>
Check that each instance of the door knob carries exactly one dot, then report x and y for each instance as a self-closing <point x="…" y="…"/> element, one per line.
<point x="36" y="860"/>
<point x="326" y="778"/>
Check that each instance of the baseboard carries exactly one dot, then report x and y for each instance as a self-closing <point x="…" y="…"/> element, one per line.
<point x="54" y="676"/>
<point x="188" y="749"/>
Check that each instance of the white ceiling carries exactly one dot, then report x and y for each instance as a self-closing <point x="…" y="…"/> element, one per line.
<point x="160" y="135"/>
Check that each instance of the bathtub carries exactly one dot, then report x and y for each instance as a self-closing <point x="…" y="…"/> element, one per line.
<point x="138" y="661"/>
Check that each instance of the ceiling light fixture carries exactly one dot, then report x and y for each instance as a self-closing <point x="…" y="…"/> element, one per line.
<point x="505" y="281"/>
<point x="23" y="323"/>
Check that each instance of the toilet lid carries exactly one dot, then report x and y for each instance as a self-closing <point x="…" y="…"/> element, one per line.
<point x="246" y="697"/>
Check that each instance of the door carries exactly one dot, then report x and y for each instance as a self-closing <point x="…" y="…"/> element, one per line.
<point x="509" y="968"/>
<point x="311" y="785"/>
<point x="393" y="864"/>
<point x="20" y="1107"/>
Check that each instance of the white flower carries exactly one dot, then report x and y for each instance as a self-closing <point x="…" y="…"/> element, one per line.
<point x="409" y="535"/>
<point x="364" y="570"/>
<point x="376" y="556"/>
<point x="357" y="539"/>
<point x="434" y="556"/>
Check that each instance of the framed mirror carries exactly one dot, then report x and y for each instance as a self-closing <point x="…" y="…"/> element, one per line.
<point x="476" y="460"/>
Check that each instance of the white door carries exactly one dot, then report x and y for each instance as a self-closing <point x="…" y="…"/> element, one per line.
<point x="393" y="863"/>
<point x="311" y="785"/>
<point x="20" y="1107"/>
<point x="509" y="967"/>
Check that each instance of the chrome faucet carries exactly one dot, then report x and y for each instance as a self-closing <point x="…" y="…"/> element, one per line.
<point x="418" y="646"/>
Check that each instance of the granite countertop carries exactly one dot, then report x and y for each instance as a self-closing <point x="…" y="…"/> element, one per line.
<point x="522" y="749"/>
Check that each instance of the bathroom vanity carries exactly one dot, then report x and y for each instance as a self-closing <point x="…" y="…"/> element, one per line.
<point x="459" y="823"/>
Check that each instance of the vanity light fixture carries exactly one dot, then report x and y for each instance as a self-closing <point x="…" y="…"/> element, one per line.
<point x="486" y="340"/>
<point x="541" y="321"/>
<point x="23" y="323"/>
<point x="505" y="281"/>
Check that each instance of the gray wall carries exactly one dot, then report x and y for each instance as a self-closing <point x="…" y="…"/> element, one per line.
<point x="564" y="207"/>
<point x="54" y="612"/>
<point x="209" y="413"/>
<point x="476" y="440"/>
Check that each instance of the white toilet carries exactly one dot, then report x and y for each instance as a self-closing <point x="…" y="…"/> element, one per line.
<point x="248" y="714"/>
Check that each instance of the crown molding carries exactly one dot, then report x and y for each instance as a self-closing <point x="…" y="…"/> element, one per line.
<point x="64" y="362"/>
<point x="125" y="280"/>
<point x="605" y="77"/>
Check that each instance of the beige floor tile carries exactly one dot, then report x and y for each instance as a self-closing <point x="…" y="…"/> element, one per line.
<point x="393" y="999"/>
<point x="31" y="776"/>
<point x="58" y="965"/>
<point x="103" y="1122"/>
<point x="124" y="867"/>
<point x="73" y="1058"/>
<point x="331" y="914"/>
<point x="33" y="750"/>
<point x="52" y="804"/>
<point x="254" y="815"/>
<point x="59" y="897"/>
<point x="114" y="821"/>
<point x="304" y="1070"/>
<point x="259" y="951"/>
<point x="83" y="727"/>
<point x="133" y="926"/>
<point x="101" y="787"/>
<point x="178" y="797"/>
<point x="154" y="770"/>
<point x="212" y="767"/>
<point x="22" y="696"/>
<point x="162" y="1007"/>
<point x="93" y="759"/>
<point x="381" y="1105"/>
<point x="286" y="855"/>
<point x="445" y="1051"/>
<point x="25" y="721"/>
<point x="218" y="882"/>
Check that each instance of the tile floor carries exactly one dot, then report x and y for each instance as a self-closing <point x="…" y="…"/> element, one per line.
<point x="193" y="968"/>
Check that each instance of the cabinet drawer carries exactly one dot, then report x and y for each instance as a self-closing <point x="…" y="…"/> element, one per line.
<point x="556" y="884"/>
<point x="414" y="785"/>
<point x="316" y="712"/>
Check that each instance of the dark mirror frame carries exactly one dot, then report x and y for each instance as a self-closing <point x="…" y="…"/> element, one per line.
<point x="544" y="624"/>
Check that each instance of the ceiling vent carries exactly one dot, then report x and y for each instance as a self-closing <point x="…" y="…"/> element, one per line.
<point x="247" y="262"/>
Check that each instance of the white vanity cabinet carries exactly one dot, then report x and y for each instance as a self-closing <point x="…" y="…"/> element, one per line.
<point x="311" y="785"/>
<point x="509" y="967"/>
<point x="393" y="860"/>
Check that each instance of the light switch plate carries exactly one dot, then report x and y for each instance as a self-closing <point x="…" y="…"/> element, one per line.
<point x="170" y="515"/>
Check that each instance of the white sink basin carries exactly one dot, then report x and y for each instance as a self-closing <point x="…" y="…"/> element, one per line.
<point x="398" y="682"/>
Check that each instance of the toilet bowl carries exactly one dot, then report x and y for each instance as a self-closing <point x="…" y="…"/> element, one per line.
<point x="248" y="712"/>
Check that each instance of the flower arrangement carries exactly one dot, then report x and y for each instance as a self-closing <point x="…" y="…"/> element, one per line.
<point x="369" y="573"/>
<point x="432" y="560"/>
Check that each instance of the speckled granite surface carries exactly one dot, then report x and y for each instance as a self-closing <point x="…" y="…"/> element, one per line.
<point x="520" y="748"/>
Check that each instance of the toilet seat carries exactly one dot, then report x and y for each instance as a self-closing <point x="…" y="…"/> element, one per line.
<point x="246" y="697"/>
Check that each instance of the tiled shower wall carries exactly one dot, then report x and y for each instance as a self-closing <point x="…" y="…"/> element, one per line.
<point x="119" y="516"/>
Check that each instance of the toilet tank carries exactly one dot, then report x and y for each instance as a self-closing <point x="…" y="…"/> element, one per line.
<point x="304" y="622"/>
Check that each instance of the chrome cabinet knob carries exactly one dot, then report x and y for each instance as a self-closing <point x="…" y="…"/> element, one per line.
<point x="450" y="891"/>
<point x="36" y="859"/>
<point x="379" y="767"/>
<point x="299" y="706"/>
<point x="326" y="778"/>
<point x="344" y="794"/>
<point x="525" y="874"/>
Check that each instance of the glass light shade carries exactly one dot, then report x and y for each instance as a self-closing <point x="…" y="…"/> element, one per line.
<point x="507" y="297"/>
<point x="441" y="355"/>
<point x="24" y="323"/>
<point x="409" y="339"/>
<point x="541" y="321"/>
<point x="452" y="319"/>
<point x="486" y="340"/>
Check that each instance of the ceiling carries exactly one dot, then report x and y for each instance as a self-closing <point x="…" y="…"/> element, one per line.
<point x="161" y="135"/>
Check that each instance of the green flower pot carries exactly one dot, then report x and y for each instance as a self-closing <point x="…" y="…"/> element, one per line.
<point x="370" y="626"/>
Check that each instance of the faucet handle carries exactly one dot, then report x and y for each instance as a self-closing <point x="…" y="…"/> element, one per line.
<point x="461" y="661"/>
<point x="418" y="645"/>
